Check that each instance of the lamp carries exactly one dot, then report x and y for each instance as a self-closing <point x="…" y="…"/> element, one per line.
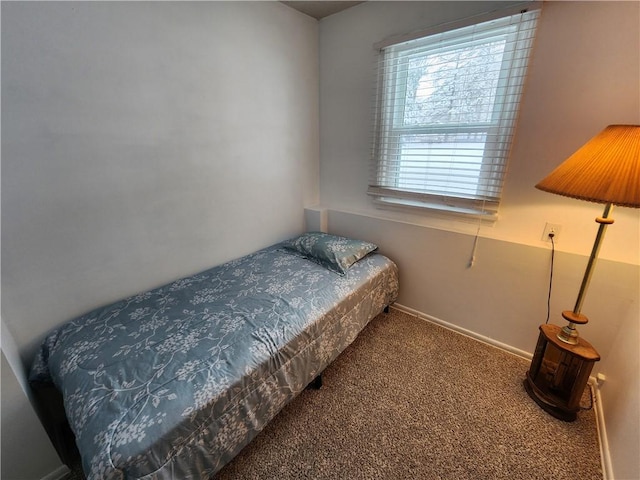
<point x="605" y="170"/>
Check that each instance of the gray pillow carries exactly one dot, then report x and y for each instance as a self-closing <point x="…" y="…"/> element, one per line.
<point x="331" y="251"/>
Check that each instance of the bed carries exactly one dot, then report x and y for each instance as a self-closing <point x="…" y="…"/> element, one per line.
<point x="174" y="382"/>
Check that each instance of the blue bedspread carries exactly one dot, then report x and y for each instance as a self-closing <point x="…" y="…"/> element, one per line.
<point x="172" y="383"/>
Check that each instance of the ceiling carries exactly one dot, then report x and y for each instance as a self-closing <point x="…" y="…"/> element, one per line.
<point x="321" y="9"/>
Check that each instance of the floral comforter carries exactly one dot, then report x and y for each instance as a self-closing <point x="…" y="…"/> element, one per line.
<point x="174" y="382"/>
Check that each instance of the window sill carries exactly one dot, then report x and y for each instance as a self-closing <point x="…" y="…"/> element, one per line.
<point x="449" y="212"/>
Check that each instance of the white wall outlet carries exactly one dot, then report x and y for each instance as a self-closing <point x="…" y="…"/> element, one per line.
<point x="551" y="228"/>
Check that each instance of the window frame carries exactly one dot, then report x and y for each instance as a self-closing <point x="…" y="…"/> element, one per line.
<point x="391" y="103"/>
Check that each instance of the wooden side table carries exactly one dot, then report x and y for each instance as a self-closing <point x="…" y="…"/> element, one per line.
<point x="559" y="373"/>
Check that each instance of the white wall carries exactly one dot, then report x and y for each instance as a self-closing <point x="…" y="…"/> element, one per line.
<point x="141" y="142"/>
<point x="621" y="399"/>
<point x="125" y="126"/>
<point x="144" y="141"/>
<point x="584" y="75"/>
<point x="22" y="433"/>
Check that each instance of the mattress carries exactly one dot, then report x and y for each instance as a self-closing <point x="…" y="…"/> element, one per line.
<point x="174" y="382"/>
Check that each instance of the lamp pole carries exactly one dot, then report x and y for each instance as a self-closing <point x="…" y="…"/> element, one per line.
<point x="569" y="334"/>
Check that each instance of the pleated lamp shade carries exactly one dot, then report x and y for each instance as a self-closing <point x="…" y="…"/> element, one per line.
<point x="605" y="170"/>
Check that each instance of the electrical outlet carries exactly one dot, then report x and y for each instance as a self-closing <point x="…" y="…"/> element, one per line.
<point x="551" y="228"/>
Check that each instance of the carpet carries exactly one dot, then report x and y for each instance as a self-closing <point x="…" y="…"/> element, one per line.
<point x="412" y="400"/>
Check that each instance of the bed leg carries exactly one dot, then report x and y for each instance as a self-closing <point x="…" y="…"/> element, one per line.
<point x="386" y="309"/>
<point x="316" y="383"/>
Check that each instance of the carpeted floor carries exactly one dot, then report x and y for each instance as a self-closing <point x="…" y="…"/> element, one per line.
<point x="412" y="400"/>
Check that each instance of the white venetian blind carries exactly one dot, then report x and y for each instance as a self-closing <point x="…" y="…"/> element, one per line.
<point x="445" y="114"/>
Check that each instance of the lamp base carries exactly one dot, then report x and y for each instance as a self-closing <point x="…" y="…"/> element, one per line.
<point x="568" y="334"/>
<point x="561" y="413"/>
<point x="559" y="372"/>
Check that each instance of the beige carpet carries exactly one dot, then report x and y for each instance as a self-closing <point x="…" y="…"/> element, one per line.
<point x="412" y="400"/>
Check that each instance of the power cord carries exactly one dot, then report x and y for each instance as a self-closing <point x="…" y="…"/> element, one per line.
<point x="591" y="401"/>
<point x="553" y="253"/>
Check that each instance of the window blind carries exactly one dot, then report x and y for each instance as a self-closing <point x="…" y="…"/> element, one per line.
<point x="445" y="114"/>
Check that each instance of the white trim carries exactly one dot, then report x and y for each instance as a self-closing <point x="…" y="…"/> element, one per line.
<point x="58" y="474"/>
<point x="603" y="443"/>
<point x="465" y="22"/>
<point x="390" y="203"/>
<point x="468" y="333"/>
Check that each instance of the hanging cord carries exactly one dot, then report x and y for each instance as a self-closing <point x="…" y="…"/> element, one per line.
<point x="472" y="260"/>
<point x="553" y="253"/>
<point x="475" y="247"/>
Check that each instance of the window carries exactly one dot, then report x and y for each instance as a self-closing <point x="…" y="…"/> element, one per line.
<point x="446" y="107"/>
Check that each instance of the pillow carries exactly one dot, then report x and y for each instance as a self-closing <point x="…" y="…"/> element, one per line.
<point x="332" y="252"/>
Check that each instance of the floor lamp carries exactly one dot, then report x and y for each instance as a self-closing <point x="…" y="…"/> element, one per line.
<point x="605" y="170"/>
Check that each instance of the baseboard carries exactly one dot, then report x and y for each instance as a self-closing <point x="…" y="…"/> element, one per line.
<point x="465" y="332"/>
<point x="58" y="474"/>
<point x="605" y="455"/>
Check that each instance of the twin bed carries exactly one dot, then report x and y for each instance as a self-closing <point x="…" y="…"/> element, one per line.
<point x="174" y="382"/>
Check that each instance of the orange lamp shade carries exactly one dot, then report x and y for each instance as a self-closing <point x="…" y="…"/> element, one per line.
<point x="604" y="170"/>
